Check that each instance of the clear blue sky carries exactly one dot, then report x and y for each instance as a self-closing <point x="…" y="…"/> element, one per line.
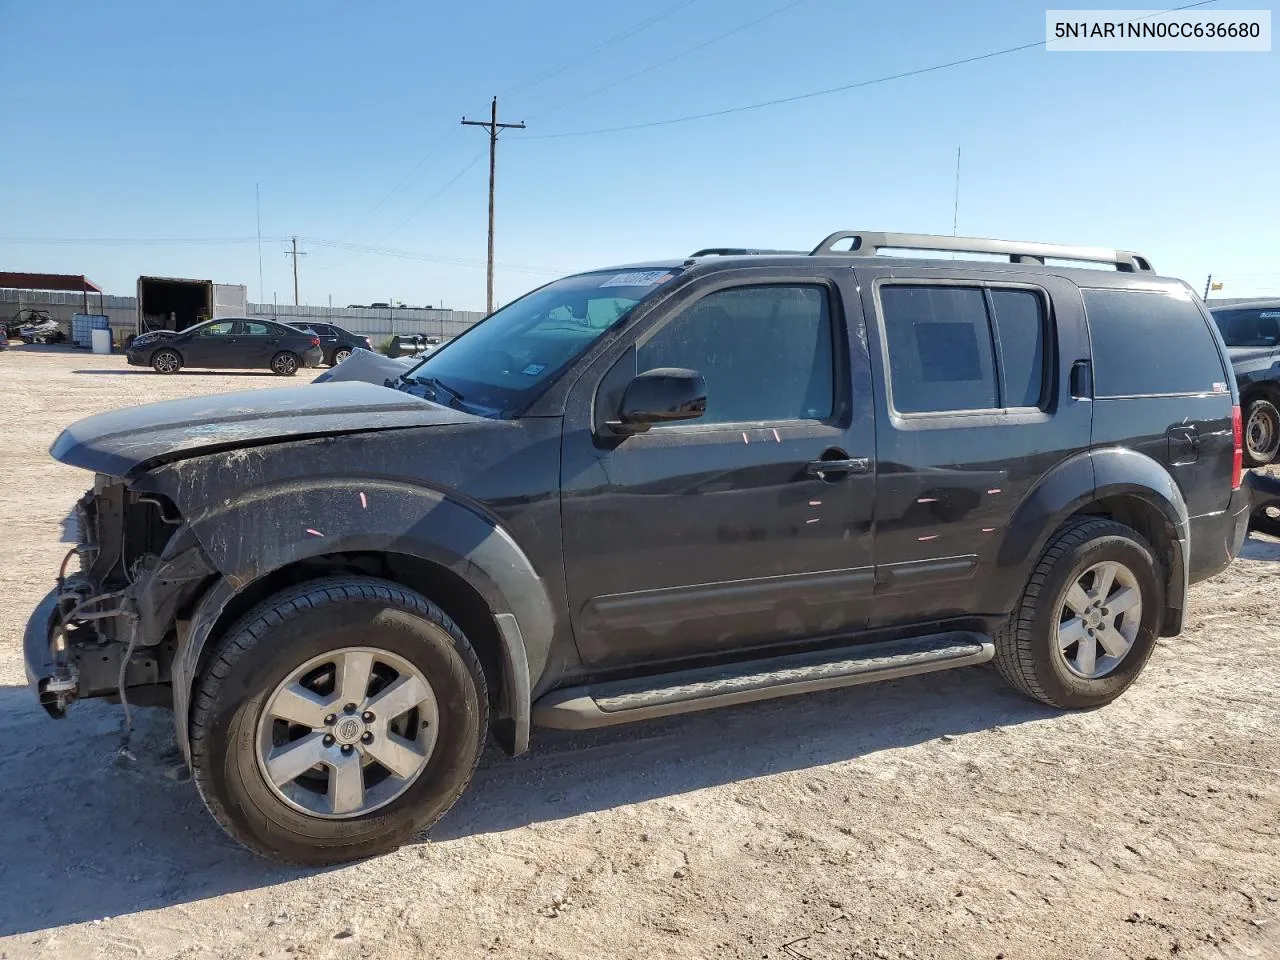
<point x="155" y="119"/>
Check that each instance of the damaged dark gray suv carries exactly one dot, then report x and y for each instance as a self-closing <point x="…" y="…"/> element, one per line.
<point x="645" y="491"/>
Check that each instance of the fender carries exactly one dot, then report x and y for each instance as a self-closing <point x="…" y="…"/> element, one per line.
<point x="280" y="524"/>
<point x="1071" y="487"/>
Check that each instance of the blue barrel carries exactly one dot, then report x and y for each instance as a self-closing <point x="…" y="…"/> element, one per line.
<point x="99" y="322"/>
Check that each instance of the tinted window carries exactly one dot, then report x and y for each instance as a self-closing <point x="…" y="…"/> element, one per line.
<point x="323" y="331"/>
<point x="255" y="329"/>
<point x="764" y="351"/>
<point x="940" y="351"/>
<point x="1150" y="342"/>
<point x="1020" y="323"/>
<point x="223" y="328"/>
<point x="1249" y="328"/>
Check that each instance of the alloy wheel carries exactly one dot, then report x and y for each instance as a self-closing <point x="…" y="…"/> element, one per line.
<point x="347" y="732"/>
<point x="1098" y="619"/>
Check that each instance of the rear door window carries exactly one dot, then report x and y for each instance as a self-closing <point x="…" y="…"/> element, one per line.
<point x="1151" y="343"/>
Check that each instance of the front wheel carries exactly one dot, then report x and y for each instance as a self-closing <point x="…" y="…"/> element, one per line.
<point x="337" y="719"/>
<point x="1088" y="618"/>
<point x="284" y="364"/>
<point x="166" y="361"/>
<point x="1261" y="433"/>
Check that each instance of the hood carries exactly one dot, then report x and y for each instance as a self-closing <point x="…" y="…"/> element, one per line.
<point x="120" y="441"/>
<point x="1238" y="354"/>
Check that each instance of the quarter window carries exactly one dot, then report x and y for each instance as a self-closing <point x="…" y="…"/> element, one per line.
<point x="764" y="351"/>
<point x="1150" y="342"/>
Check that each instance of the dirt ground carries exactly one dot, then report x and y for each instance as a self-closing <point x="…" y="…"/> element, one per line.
<point x="933" y="817"/>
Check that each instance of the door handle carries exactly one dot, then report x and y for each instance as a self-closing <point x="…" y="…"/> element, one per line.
<point x="820" y="468"/>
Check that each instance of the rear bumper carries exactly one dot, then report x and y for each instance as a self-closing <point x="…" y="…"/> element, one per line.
<point x="313" y="357"/>
<point x="1216" y="539"/>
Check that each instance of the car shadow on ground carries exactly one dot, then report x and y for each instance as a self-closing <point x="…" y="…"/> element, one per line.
<point x="86" y="835"/>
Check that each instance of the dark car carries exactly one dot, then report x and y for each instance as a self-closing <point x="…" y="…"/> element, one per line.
<point x="337" y="343"/>
<point x="645" y="491"/>
<point x="227" y="344"/>
<point x="1251" y="332"/>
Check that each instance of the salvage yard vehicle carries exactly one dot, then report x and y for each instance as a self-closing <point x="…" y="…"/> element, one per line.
<point x="1251" y="332"/>
<point x="645" y="491"/>
<point x="336" y="343"/>
<point x="227" y="344"/>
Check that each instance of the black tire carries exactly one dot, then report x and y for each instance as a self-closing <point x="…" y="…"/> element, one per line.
<point x="1261" y="433"/>
<point x="285" y="363"/>
<point x="166" y="361"/>
<point x="339" y="354"/>
<point x="1026" y="653"/>
<point x="285" y="631"/>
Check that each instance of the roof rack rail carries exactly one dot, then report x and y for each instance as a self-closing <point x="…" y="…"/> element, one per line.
<point x="869" y="243"/>
<point x="740" y="252"/>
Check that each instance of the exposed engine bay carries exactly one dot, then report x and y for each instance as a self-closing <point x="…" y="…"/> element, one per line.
<point x="113" y="628"/>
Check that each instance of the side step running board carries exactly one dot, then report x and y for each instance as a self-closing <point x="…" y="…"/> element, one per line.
<point x="703" y="688"/>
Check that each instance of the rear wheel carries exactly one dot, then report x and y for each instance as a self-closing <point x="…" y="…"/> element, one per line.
<point x="336" y="720"/>
<point x="340" y="354"/>
<point x="284" y="364"/>
<point x="1088" y="618"/>
<point x="1261" y="433"/>
<point x="166" y="361"/>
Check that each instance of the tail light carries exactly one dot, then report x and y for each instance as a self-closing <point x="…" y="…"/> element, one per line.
<point x="1237" y="456"/>
<point x="315" y="341"/>
<point x="368" y="343"/>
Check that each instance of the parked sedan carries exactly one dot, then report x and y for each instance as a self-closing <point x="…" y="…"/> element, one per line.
<point x="337" y="343"/>
<point x="228" y="344"/>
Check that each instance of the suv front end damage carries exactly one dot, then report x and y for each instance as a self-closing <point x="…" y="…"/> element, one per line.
<point x="107" y="629"/>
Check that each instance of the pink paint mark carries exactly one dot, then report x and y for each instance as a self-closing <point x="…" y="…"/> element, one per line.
<point x="814" y="520"/>
<point x="927" y="500"/>
<point x="994" y="490"/>
<point x="744" y="437"/>
<point x="314" y="533"/>
<point x="364" y="501"/>
<point x="815" y="503"/>
<point x="775" y="435"/>
<point x="932" y="536"/>
<point x="988" y="529"/>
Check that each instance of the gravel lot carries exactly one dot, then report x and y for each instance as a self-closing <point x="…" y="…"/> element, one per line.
<point x="935" y="817"/>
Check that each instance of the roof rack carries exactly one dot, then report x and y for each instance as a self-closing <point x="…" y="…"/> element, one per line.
<point x="869" y="243"/>
<point x="739" y="252"/>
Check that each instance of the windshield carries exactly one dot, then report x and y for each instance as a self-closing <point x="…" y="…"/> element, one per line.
<point x="1249" y="327"/>
<point x="498" y="366"/>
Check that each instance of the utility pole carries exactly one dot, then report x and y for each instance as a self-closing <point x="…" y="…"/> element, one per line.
<point x="1207" y="284"/>
<point x="295" y="254"/>
<point x="493" y="127"/>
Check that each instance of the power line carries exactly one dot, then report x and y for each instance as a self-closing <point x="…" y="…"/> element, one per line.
<point x="671" y="59"/>
<point x="829" y="90"/>
<point x="401" y="183"/>
<point x="616" y="38"/>
<point x="416" y="211"/>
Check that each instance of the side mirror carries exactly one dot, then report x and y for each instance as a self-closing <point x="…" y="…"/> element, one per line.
<point x="663" y="395"/>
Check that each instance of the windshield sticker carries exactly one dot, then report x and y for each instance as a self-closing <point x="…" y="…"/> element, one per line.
<point x="1219" y="388"/>
<point x="641" y="278"/>
<point x="533" y="369"/>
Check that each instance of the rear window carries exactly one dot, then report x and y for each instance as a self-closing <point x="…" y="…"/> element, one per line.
<point x="1149" y="343"/>
<point x="1252" y="327"/>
